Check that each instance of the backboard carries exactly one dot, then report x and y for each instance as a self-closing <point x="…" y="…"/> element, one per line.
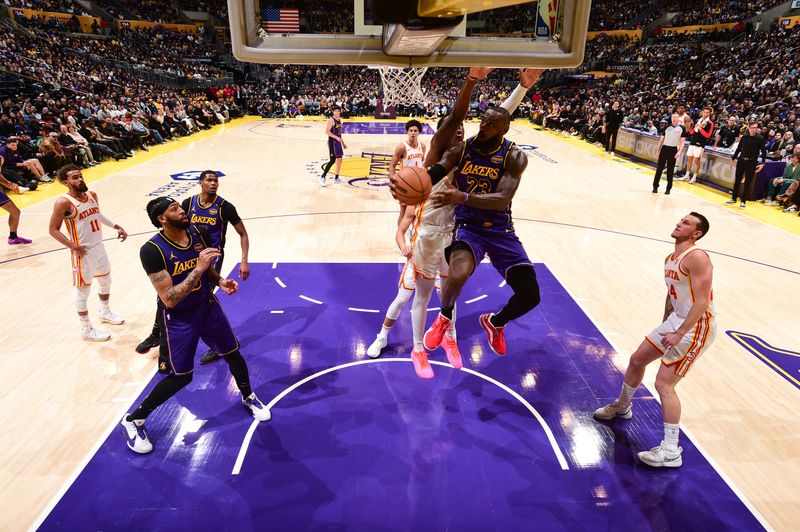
<point x="549" y="33"/>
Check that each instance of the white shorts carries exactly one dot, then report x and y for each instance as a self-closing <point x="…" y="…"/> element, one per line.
<point x="94" y="264"/>
<point x="429" y="246"/>
<point x="693" y="344"/>
<point x="695" y="151"/>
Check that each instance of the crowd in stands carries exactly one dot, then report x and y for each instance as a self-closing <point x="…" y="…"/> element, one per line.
<point x="151" y="10"/>
<point x="699" y="12"/>
<point x="57" y="6"/>
<point x="217" y="8"/>
<point x="509" y="20"/>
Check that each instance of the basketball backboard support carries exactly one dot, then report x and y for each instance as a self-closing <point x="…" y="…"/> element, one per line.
<point x="555" y="40"/>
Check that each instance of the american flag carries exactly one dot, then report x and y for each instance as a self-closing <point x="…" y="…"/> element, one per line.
<point x="283" y="20"/>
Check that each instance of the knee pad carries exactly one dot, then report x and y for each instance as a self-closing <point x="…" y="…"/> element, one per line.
<point x="81" y="296"/>
<point x="399" y="302"/>
<point x="105" y="284"/>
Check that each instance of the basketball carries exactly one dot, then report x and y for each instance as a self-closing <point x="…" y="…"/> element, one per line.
<point x="413" y="185"/>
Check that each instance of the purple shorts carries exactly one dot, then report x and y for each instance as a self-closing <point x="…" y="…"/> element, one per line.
<point x="3" y="198"/>
<point x="504" y="248"/>
<point x="181" y="329"/>
<point x="335" y="148"/>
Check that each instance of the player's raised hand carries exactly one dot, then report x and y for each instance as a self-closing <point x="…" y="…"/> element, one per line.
<point x="449" y="195"/>
<point x="393" y="187"/>
<point x="229" y="286"/>
<point x="479" y="73"/>
<point x="529" y="76"/>
<point x="244" y="270"/>
<point x="206" y="257"/>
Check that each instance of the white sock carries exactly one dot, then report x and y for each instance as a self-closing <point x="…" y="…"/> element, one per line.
<point x="671" y="433"/>
<point x="85" y="323"/>
<point x="384" y="332"/>
<point x="104" y="306"/>
<point x="625" y="395"/>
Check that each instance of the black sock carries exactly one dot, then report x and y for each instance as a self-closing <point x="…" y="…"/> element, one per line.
<point x="238" y="368"/>
<point x="447" y="312"/>
<point x="12" y="234"/>
<point x="166" y="388"/>
<point x="327" y="167"/>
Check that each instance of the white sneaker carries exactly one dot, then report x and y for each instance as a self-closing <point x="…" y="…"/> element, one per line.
<point x="337" y="181"/>
<point x="323" y="182"/>
<point x="793" y="208"/>
<point x="772" y="203"/>
<point x="95" y="335"/>
<point x="257" y="408"/>
<point x="109" y="317"/>
<point x="135" y="436"/>
<point x="612" y="410"/>
<point x="660" y="457"/>
<point x="374" y="349"/>
<point x="45" y="179"/>
<point x="693" y="180"/>
<point x="22" y="190"/>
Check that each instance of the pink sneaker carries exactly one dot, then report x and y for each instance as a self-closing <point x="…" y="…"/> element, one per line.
<point x="421" y="364"/>
<point x="18" y="240"/>
<point x="451" y="350"/>
<point x="433" y="336"/>
<point x="496" y="335"/>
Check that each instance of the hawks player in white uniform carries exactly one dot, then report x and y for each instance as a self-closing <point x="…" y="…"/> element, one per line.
<point x="433" y="227"/>
<point x="689" y="328"/>
<point x="79" y="210"/>
<point x="409" y="153"/>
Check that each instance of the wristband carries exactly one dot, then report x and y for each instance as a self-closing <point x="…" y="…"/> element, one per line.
<point x="471" y="78"/>
<point x="466" y="198"/>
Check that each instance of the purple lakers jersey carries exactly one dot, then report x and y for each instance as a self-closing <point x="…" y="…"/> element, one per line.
<point x="479" y="173"/>
<point x="180" y="261"/>
<point x="210" y="218"/>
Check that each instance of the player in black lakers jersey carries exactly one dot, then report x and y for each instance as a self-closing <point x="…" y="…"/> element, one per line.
<point x="210" y="211"/>
<point x="178" y="260"/>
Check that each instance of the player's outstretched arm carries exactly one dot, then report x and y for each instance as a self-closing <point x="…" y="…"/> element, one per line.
<point x="443" y="136"/>
<point x="527" y="79"/>
<point x="244" y="264"/>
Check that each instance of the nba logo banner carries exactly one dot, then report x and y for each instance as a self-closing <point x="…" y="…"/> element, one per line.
<point x="546" y="17"/>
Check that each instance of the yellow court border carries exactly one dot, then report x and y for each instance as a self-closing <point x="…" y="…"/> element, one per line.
<point x="769" y="215"/>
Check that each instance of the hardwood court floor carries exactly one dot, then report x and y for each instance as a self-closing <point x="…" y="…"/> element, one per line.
<point x="593" y="221"/>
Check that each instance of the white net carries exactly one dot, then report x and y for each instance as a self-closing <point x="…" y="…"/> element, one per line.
<point x="402" y="86"/>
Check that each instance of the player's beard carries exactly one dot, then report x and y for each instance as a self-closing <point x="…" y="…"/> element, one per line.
<point x="179" y="224"/>
<point x="82" y="187"/>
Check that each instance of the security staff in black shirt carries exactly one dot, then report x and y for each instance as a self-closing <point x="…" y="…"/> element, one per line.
<point x="749" y="148"/>
<point x="612" y="121"/>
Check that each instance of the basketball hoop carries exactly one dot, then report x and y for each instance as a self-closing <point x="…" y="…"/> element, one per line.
<point x="402" y="86"/>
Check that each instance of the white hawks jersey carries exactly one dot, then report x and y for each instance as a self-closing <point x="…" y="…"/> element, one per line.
<point x="84" y="226"/>
<point x="415" y="156"/>
<point x="679" y="285"/>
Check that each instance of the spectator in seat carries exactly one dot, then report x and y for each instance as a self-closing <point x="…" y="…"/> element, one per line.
<point x="727" y="134"/>
<point x="780" y="185"/>
<point x="29" y="167"/>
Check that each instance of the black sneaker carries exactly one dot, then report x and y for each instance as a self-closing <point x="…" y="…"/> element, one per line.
<point x="209" y="357"/>
<point x="148" y="343"/>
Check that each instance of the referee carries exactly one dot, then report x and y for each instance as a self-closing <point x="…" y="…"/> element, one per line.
<point x="669" y="146"/>
<point x="750" y="146"/>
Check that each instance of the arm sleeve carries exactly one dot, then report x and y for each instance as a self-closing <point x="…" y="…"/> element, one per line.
<point x="106" y="221"/>
<point x="152" y="260"/>
<point x="229" y="213"/>
<point x="514" y="99"/>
